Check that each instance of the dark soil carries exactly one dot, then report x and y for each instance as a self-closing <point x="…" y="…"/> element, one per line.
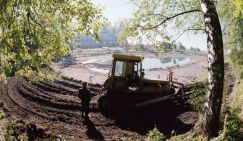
<point x="48" y="109"/>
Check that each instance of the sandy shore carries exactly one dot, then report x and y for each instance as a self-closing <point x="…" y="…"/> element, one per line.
<point x="95" y="67"/>
<point x="195" y="70"/>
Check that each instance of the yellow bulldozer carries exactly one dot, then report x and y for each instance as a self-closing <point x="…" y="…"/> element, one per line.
<point x="127" y="80"/>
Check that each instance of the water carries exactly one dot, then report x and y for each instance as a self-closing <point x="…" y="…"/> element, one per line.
<point x="154" y="63"/>
<point x="104" y="65"/>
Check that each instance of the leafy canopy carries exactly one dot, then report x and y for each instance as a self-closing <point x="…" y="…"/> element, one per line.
<point x="32" y="33"/>
<point x="231" y="16"/>
<point x="157" y="21"/>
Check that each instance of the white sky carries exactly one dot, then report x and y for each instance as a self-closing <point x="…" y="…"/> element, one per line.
<point x="116" y="10"/>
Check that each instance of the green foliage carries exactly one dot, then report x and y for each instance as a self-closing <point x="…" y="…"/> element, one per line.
<point x="154" y="21"/>
<point x="33" y="33"/>
<point x="9" y="132"/>
<point x="232" y="23"/>
<point x="238" y="96"/>
<point x="197" y="95"/>
<point x="236" y="57"/>
<point x="238" y="11"/>
<point x="155" y="135"/>
<point x="233" y="126"/>
<point x="12" y="133"/>
<point x="231" y="15"/>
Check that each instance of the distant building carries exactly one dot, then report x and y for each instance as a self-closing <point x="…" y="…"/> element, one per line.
<point x="108" y="38"/>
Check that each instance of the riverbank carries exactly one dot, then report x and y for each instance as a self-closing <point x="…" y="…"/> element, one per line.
<point x="92" y="66"/>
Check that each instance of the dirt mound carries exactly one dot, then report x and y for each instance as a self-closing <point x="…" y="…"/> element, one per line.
<point x="53" y="108"/>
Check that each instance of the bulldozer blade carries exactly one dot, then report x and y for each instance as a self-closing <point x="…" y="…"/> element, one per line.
<point x="155" y="100"/>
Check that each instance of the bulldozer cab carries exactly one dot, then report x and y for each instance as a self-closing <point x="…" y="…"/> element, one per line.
<point x="127" y="76"/>
<point x="126" y="71"/>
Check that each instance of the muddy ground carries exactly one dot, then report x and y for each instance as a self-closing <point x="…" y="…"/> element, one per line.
<point x="48" y="109"/>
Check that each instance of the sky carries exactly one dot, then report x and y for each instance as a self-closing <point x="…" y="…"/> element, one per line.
<point x="116" y="10"/>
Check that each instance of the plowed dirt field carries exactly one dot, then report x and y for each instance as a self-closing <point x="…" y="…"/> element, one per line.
<point x="51" y="108"/>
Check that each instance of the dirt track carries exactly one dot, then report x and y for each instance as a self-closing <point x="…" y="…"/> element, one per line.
<point x="53" y="107"/>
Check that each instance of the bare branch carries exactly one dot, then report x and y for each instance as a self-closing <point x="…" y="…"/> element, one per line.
<point x="189" y="29"/>
<point x="176" y="15"/>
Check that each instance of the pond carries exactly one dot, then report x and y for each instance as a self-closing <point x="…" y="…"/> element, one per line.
<point x="154" y="63"/>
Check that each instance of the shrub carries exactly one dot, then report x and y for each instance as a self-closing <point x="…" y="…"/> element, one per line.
<point x="9" y="132"/>
<point x="155" y="135"/>
<point x="233" y="126"/>
<point x="197" y="96"/>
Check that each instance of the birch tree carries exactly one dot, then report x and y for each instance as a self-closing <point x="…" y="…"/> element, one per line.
<point x="155" y="20"/>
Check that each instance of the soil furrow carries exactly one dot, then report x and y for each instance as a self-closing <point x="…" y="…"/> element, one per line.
<point x="45" y="112"/>
<point x="50" y="95"/>
<point x="14" y="97"/>
<point x="45" y="87"/>
<point x="63" y="88"/>
<point x="47" y="101"/>
<point x="76" y="83"/>
<point x="66" y="96"/>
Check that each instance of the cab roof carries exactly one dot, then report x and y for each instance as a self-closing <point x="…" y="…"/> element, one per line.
<point x="124" y="57"/>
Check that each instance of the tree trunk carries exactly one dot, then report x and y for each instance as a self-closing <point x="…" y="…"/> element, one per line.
<point x="215" y="68"/>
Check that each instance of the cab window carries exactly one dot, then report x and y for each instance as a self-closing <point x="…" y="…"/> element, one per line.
<point x="120" y="69"/>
